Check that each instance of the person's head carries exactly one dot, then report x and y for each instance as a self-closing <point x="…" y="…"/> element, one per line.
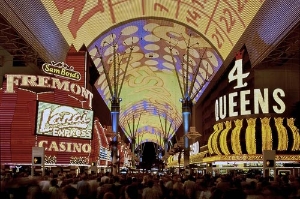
<point x="116" y="179"/>
<point x="204" y="185"/>
<point x="234" y="193"/>
<point x="145" y="179"/>
<point x="69" y="192"/>
<point x="54" y="182"/>
<point x="134" y="180"/>
<point x="109" y="195"/>
<point x="106" y="180"/>
<point x="132" y="192"/>
<point x="216" y="193"/>
<point x="174" y="178"/>
<point x="150" y="183"/>
<point x="292" y="178"/>
<point x="128" y="180"/>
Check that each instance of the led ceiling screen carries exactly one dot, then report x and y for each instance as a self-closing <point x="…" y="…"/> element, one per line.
<point x="153" y="55"/>
<point x="155" y="78"/>
<point x="222" y="22"/>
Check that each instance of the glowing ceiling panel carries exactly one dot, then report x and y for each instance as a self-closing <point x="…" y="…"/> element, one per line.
<point x="155" y="77"/>
<point x="222" y="22"/>
<point x="150" y="107"/>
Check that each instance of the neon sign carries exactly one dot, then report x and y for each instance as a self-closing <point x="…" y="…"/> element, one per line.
<point x="65" y="146"/>
<point x="46" y="82"/>
<point x="61" y="69"/>
<point x="64" y="121"/>
<point x="225" y="106"/>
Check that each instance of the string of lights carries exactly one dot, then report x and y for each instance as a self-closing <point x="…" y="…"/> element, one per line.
<point x="250" y="136"/>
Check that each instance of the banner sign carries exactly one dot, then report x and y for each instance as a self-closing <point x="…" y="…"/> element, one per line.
<point x="64" y="121"/>
<point x="245" y="101"/>
<point x="71" y="147"/>
<point x="46" y="82"/>
<point x="61" y="69"/>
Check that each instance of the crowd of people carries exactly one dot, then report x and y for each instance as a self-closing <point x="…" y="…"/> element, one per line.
<point x="148" y="186"/>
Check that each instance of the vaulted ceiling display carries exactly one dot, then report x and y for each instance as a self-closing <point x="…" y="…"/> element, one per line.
<point x="200" y="35"/>
<point x="221" y="22"/>
<point x="151" y="92"/>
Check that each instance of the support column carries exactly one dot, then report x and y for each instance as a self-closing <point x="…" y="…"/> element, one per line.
<point x="165" y="145"/>
<point x="115" y="112"/>
<point x="186" y="119"/>
<point x="132" y="151"/>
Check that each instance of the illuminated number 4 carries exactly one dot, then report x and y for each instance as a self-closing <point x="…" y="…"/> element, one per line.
<point x="237" y="74"/>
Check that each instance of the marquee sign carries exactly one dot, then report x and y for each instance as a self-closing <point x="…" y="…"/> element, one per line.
<point x="61" y="69"/>
<point x="71" y="147"/>
<point x="64" y="121"/>
<point x="226" y="106"/>
<point x="46" y="82"/>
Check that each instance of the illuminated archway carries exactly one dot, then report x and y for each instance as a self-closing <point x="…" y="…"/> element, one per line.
<point x="151" y="86"/>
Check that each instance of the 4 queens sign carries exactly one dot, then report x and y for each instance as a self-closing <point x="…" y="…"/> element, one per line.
<point x="64" y="121"/>
<point x="245" y="101"/>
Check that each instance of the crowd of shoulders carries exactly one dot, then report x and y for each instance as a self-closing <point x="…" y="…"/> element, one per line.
<point x="148" y="186"/>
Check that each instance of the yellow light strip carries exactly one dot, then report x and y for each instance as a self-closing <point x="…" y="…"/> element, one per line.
<point x="250" y="136"/>
<point x="235" y="136"/>
<point x="215" y="139"/>
<point x="266" y="134"/>
<point x="267" y="141"/>
<point x="248" y="157"/>
<point x="296" y="136"/>
<point x="282" y="134"/>
<point x="241" y="157"/>
<point x="209" y="145"/>
<point x="198" y="157"/>
<point x="223" y="138"/>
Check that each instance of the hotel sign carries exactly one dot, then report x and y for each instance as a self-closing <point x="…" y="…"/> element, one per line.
<point x="61" y="69"/>
<point x="64" y="121"/>
<point x="46" y="82"/>
<point x="71" y="147"/>
<point x="225" y="106"/>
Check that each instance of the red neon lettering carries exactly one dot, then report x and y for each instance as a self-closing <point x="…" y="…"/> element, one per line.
<point x="241" y="5"/>
<point x="77" y="5"/>
<point x="218" y="37"/>
<point x="199" y="3"/>
<point x="157" y="6"/>
<point x="194" y="16"/>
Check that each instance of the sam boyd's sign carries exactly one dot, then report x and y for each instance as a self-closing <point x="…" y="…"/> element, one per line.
<point x="61" y="69"/>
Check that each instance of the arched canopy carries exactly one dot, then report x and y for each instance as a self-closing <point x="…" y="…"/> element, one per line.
<point x="221" y="22"/>
<point x="211" y="30"/>
<point x="151" y="88"/>
<point x="151" y="92"/>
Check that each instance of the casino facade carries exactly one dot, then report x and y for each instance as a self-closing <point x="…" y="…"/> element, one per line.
<point x="54" y="112"/>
